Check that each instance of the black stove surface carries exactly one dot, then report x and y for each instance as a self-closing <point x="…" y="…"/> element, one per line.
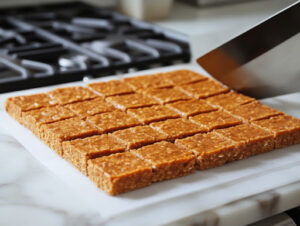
<point x="51" y="44"/>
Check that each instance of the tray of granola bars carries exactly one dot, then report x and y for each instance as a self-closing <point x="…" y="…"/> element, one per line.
<point x="143" y="139"/>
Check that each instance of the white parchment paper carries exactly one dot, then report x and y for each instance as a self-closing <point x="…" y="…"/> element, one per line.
<point x="216" y="186"/>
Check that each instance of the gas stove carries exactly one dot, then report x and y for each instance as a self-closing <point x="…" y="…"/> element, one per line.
<point x="63" y="42"/>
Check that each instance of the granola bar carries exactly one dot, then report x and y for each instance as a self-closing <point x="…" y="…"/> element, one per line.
<point x="120" y="173"/>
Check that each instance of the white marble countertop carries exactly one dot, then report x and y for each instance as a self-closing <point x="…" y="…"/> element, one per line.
<point x="31" y="195"/>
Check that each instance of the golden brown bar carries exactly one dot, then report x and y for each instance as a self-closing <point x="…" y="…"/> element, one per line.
<point x="112" y="121"/>
<point x="251" y="140"/>
<point x="180" y="77"/>
<point x="215" y="120"/>
<point x="119" y="173"/>
<point x="15" y="106"/>
<point x="79" y="151"/>
<point x="286" y="129"/>
<point x="111" y="88"/>
<point x="53" y="134"/>
<point x="229" y="100"/>
<point x="177" y="128"/>
<point x="203" y="89"/>
<point x="253" y="111"/>
<point x="72" y="94"/>
<point x="35" y="118"/>
<point x="168" y="160"/>
<point x="188" y="108"/>
<point x="153" y="114"/>
<point x="148" y="81"/>
<point x="135" y="100"/>
<point x="166" y="95"/>
<point x="211" y="149"/>
<point x="90" y="107"/>
<point x="138" y="136"/>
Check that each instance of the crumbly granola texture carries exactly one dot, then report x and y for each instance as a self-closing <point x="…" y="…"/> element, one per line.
<point x="127" y="134"/>
<point x="203" y="89"/>
<point x="111" y="88"/>
<point x="71" y="94"/>
<point x="135" y="100"/>
<point x="90" y="107"/>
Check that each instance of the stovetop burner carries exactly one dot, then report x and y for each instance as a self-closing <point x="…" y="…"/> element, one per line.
<point x="64" y="42"/>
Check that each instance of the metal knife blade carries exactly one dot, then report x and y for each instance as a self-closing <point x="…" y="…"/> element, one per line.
<point x="262" y="62"/>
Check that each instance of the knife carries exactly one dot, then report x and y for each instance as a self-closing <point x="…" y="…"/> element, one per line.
<point x="262" y="62"/>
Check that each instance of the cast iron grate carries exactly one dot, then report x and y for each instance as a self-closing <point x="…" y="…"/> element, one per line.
<point x="63" y="42"/>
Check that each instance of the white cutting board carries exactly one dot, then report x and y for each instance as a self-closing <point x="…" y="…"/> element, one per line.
<point x="188" y="195"/>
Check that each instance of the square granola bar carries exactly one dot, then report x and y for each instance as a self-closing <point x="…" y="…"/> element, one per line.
<point x="211" y="149"/>
<point x="253" y="111"/>
<point x="229" y="100"/>
<point x="188" y="108"/>
<point x="203" y="89"/>
<point x="90" y="107"/>
<point x="180" y="77"/>
<point x="215" y="120"/>
<point x="111" y="88"/>
<point x="53" y="134"/>
<point x="138" y="136"/>
<point x="79" y="151"/>
<point x="148" y="81"/>
<point x="35" y="118"/>
<point x="168" y="160"/>
<point x="177" y="128"/>
<point x="152" y="114"/>
<point x="251" y="140"/>
<point x="72" y="94"/>
<point x="166" y="95"/>
<point x="286" y="129"/>
<point x="119" y="173"/>
<point x="112" y="121"/>
<point x="15" y="106"/>
<point x="135" y="100"/>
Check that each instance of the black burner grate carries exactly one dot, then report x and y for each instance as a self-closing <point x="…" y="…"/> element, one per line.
<point x="64" y="42"/>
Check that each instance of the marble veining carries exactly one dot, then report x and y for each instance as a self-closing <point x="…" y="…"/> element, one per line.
<point x="31" y="195"/>
<point x="249" y="209"/>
